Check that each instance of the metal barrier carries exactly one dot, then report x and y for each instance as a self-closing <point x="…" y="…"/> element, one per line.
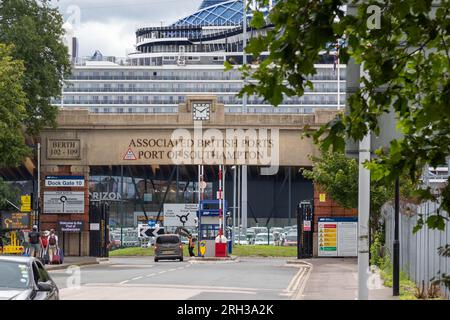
<point x="419" y="256"/>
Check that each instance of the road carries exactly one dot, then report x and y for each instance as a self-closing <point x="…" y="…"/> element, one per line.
<point x="143" y="279"/>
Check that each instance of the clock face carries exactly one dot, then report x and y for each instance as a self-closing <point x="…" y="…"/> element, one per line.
<point x="201" y="111"/>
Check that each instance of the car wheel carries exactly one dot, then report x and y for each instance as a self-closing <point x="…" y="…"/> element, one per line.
<point x="156" y="260"/>
<point x="181" y="259"/>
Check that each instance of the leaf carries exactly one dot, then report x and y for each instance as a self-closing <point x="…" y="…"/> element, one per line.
<point x="228" y="66"/>
<point x="258" y="20"/>
<point x="436" y="222"/>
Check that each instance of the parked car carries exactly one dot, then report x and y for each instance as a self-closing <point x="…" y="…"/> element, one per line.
<point x="25" y="278"/>
<point x="291" y="239"/>
<point x="168" y="247"/>
<point x="264" y="238"/>
<point x="286" y="230"/>
<point x="260" y="230"/>
<point x="242" y="240"/>
<point x="276" y="230"/>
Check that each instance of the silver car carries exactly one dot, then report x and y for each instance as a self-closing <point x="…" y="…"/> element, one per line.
<point x="25" y="278"/>
<point x="168" y="247"/>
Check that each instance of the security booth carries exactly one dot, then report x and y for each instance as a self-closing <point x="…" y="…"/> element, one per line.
<point x="209" y="225"/>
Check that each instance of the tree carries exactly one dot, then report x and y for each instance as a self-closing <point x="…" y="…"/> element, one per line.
<point x="35" y="30"/>
<point x="337" y="175"/>
<point x="12" y="108"/>
<point x="33" y="63"/>
<point x="12" y="113"/>
<point x="406" y="58"/>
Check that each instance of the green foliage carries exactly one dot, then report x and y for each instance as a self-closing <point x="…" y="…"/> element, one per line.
<point x="35" y="30"/>
<point x="241" y="251"/>
<point x="376" y="258"/>
<point x="12" y="108"/>
<point x="7" y="192"/>
<point x="408" y="57"/>
<point x="408" y="288"/>
<point x="338" y="176"/>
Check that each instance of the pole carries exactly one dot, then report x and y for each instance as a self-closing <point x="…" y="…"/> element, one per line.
<point x="39" y="186"/>
<point x="244" y="55"/>
<point x="239" y="204"/>
<point x="224" y="174"/>
<point x="363" y="218"/>
<point x="396" y="258"/>
<point x="178" y="182"/>
<point x="121" y="206"/>
<point x="234" y="206"/>
<point x="338" y="82"/>
<point x="244" y="199"/>
<point x="299" y="226"/>
<point x="289" y="197"/>
<point x="79" y="244"/>
<point x="220" y="202"/>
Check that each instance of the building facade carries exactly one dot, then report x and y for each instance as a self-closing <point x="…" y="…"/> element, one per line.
<point x="187" y="58"/>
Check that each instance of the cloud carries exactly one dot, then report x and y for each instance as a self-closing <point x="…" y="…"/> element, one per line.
<point x="110" y="25"/>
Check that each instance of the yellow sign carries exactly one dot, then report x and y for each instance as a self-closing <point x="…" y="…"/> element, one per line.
<point x="14" y="247"/>
<point x="203" y="247"/>
<point x="26" y="203"/>
<point x="322" y="197"/>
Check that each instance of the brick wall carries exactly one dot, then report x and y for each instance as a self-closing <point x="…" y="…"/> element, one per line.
<point x="50" y="221"/>
<point x="329" y="208"/>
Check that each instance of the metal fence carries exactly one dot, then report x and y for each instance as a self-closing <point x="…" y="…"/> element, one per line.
<point x="419" y="256"/>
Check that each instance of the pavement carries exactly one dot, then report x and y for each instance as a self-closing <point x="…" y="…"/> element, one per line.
<point x="142" y="279"/>
<point x="237" y="278"/>
<point x="337" y="279"/>
<point x="77" y="261"/>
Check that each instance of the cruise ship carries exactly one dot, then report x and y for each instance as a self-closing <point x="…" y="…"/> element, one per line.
<point x="187" y="58"/>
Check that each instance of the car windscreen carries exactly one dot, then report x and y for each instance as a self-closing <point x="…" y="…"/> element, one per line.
<point x="167" y="239"/>
<point x="14" y="275"/>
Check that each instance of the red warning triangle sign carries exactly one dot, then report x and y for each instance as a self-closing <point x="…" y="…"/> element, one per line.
<point x="129" y="155"/>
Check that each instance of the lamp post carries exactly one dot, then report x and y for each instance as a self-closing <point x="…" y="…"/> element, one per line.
<point x="396" y="258"/>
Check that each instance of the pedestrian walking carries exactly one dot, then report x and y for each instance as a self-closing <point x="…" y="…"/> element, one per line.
<point x="191" y="246"/>
<point x="34" y="238"/>
<point x="52" y="244"/>
<point x="44" y="241"/>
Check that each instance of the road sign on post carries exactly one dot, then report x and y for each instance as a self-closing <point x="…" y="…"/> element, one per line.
<point x="26" y="203"/>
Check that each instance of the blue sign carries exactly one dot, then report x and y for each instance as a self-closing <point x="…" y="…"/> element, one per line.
<point x="338" y="219"/>
<point x="151" y="223"/>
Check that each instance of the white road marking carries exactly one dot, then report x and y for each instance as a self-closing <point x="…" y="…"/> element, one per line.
<point x="150" y="275"/>
<point x="123" y="282"/>
<point x="172" y="270"/>
<point x="137" y="278"/>
<point x="162" y="272"/>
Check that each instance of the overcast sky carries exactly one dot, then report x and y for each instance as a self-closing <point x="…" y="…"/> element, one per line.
<point x="109" y="25"/>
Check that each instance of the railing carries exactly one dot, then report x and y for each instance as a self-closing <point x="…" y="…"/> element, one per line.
<point x="419" y="256"/>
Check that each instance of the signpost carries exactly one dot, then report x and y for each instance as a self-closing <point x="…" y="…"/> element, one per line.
<point x="16" y="220"/>
<point x="146" y="231"/>
<point x="63" y="202"/>
<point x="70" y="226"/>
<point x="64" y="181"/>
<point x="338" y="237"/>
<point x="180" y="214"/>
<point x="26" y="203"/>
